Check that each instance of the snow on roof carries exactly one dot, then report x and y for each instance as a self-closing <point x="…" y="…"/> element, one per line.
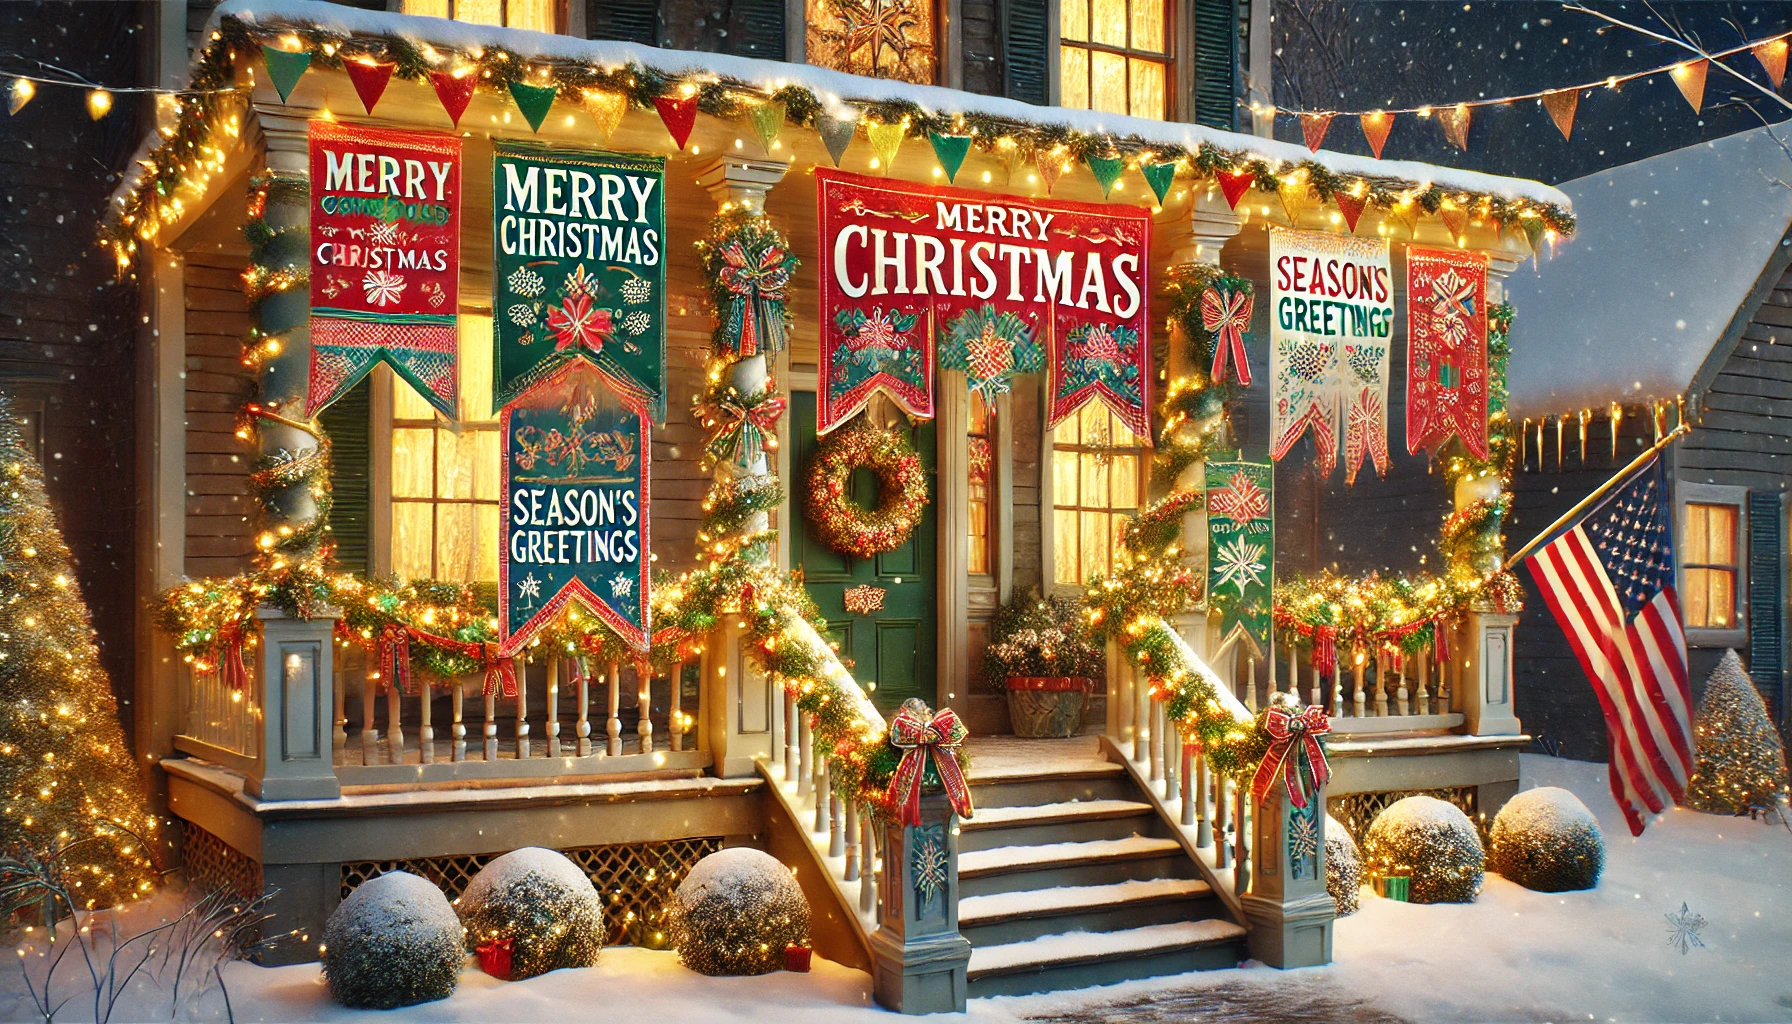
<point x="836" y="87"/>
<point x="1665" y="251"/>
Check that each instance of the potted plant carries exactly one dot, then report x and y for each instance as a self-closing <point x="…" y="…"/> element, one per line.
<point x="1042" y="654"/>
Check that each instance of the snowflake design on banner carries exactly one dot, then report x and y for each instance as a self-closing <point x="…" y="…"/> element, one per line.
<point x="521" y="315"/>
<point x="1452" y="305"/>
<point x="621" y="585"/>
<point x="637" y="323"/>
<point x="637" y="290"/>
<point x="529" y="587"/>
<point x="526" y="282"/>
<point x="383" y="233"/>
<point x="1683" y="930"/>
<point x="571" y="452"/>
<point x="1241" y="564"/>
<point x="383" y="288"/>
<point x="1241" y="500"/>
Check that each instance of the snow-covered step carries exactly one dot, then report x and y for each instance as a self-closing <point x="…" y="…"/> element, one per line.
<point x="1050" y="865"/>
<point x="1026" y="785"/>
<point x="1017" y="916"/>
<point x="1080" y="959"/>
<point x="1061" y="821"/>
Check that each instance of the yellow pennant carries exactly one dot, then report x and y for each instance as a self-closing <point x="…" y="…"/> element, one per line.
<point x="606" y="109"/>
<point x="886" y="140"/>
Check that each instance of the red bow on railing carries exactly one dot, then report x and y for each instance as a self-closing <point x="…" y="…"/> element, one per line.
<point x="1325" y="650"/>
<point x="744" y="431"/>
<point x="392" y="656"/>
<point x="1226" y="315"/>
<point x="1293" y="738"/>
<point x="922" y="734"/>
<point x="755" y="280"/>
<point x="500" y="673"/>
<point x="1440" y="640"/>
<point x="229" y="655"/>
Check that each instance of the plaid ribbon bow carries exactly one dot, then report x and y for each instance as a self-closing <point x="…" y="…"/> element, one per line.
<point x="1225" y="314"/>
<point x="500" y="673"/>
<point x="756" y="281"/>
<point x="747" y="426"/>
<point x="921" y="733"/>
<point x="1293" y="738"/>
<point x="228" y="653"/>
<point x="392" y="657"/>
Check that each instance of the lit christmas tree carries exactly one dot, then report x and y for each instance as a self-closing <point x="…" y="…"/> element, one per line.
<point x="1742" y="764"/>
<point x="66" y="774"/>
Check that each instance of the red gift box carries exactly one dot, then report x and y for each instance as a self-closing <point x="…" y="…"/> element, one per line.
<point x="494" y="958"/>
<point x="796" y="958"/>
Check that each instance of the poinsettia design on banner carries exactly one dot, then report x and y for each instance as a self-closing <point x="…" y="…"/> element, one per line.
<point x="880" y="350"/>
<point x="1100" y="360"/>
<point x="992" y="347"/>
<point x="1446" y="350"/>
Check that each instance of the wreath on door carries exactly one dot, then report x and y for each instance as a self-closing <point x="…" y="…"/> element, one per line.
<point x="845" y="525"/>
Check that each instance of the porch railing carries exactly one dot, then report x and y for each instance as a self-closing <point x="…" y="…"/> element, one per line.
<point x="1363" y="692"/>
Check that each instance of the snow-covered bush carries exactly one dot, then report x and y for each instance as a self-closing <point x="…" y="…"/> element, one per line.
<point x="736" y="911"/>
<point x="1546" y="839"/>
<point x="1343" y="867"/>
<point x="543" y="903"/>
<point x="1431" y="842"/>
<point x="394" y="942"/>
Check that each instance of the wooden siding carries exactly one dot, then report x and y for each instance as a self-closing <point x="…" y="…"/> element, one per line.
<point x="220" y="514"/>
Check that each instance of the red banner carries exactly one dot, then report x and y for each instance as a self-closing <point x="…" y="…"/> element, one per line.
<point x="906" y="269"/>
<point x="385" y="260"/>
<point x="1446" y="349"/>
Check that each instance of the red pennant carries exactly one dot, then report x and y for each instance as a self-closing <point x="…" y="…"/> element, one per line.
<point x="1235" y="184"/>
<point x="1561" y="105"/>
<point x="679" y="114"/>
<point x="1350" y="206"/>
<point x="455" y="92"/>
<point x="1375" y="128"/>
<point x="1772" y="55"/>
<point x="1314" y="127"/>
<point x="369" y="80"/>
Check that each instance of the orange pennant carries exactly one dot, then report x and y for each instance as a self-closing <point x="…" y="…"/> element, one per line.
<point x="1561" y="105"/>
<point x="1314" y="127"/>
<point x="1375" y="128"/>
<point x="1456" y="221"/>
<point x="1772" y="55"/>
<point x="1050" y="165"/>
<point x="1350" y="206"/>
<point x="1690" y="77"/>
<point x="1455" y="124"/>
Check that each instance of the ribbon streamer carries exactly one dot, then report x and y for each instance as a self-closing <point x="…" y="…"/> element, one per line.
<point x="500" y="673"/>
<point x="920" y="734"/>
<point x="231" y="670"/>
<point x="1294" y="738"/>
<point x="1226" y="314"/>
<point x="392" y="657"/>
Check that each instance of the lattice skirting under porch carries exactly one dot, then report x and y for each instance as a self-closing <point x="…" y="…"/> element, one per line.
<point x="210" y="863"/>
<point x="1358" y="810"/>
<point x="636" y="879"/>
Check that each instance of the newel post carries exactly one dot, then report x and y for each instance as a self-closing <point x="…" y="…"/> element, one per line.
<point x="298" y="714"/>
<point x="920" y="960"/>
<point x="1288" y="910"/>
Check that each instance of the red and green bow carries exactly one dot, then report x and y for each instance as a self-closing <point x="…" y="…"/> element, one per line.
<point x="392" y="657"/>
<point x="746" y="427"/>
<point x="755" y="280"/>
<point x="921" y="734"/>
<point x="1226" y="314"/>
<point x="1293" y="740"/>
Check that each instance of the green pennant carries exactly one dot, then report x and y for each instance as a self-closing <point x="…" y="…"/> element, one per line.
<point x="1159" y="177"/>
<point x="533" y="101"/>
<point x="1533" y="228"/>
<point x="951" y="150"/>
<point x="285" y="69"/>
<point x="768" y="123"/>
<point x="1106" y="169"/>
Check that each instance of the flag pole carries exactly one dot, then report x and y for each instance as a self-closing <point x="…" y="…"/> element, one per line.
<point x="1600" y="492"/>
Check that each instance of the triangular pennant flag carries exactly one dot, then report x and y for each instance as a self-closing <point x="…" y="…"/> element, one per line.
<point x="837" y="132"/>
<point x="369" y="80"/>
<point x="1375" y="128"/>
<point x="1408" y="213"/>
<point x="1235" y="184"/>
<point x="1050" y="165"/>
<point x="1314" y="127"/>
<point x="768" y="123"/>
<point x="1690" y="77"/>
<point x="1455" y="221"/>
<point x="454" y="91"/>
<point x="1159" y="177"/>
<point x="1007" y="153"/>
<point x="886" y="142"/>
<point x="533" y="101"/>
<point x="1295" y="198"/>
<point x="951" y="150"/>
<point x="1350" y="206"/>
<point x="1772" y="55"/>
<point x="19" y="93"/>
<point x="679" y="114"/>
<point x="607" y="110"/>
<point x="1455" y="124"/>
<point x="1561" y="105"/>
<point x="1106" y="170"/>
<point x="285" y="69"/>
<point x="1533" y="228"/>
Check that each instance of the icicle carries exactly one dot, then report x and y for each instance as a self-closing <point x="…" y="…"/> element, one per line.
<point x="1617" y="418"/>
<point x="1524" y="437"/>
<point x="1561" y="427"/>
<point x="1584" y="416"/>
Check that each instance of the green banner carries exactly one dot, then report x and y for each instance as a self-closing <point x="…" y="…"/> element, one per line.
<point x="1241" y="546"/>
<point x="579" y="268"/>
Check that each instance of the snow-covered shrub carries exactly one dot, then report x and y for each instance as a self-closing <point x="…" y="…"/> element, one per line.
<point x="543" y="903"/>
<point x="736" y="911"/>
<point x="394" y="942"/>
<point x="1343" y="867"/>
<point x="1431" y="842"/>
<point x="1546" y="839"/>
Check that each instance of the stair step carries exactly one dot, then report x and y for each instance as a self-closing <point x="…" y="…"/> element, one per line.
<point x="1089" y="781"/>
<point x="1079" y="959"/>
<point x="1005" y="859"/>
<point x="1057" y="822"/>
<point x="1054" y="813"/>
<point x="978" y="911"/>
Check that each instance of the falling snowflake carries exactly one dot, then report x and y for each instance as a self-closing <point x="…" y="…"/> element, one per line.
<point x="383" y="288"/>
<point x="637" y="290"/>
<point x="1683" y="930"/>
<point x="384" y="234"/>
<point x="529" y="587"/>
<point x="580" y="283"/>
<point x="1241" y="564"/>
<point x="521" y="315"/>
<point x="621" y="585"/>
<point x="526" y="282"/>
<point x="637" y="322"/>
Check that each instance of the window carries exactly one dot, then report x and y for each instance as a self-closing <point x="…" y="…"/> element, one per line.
<point x="1710" y="564"/>
<point x="1114" y="57"/>
<point x="445" y="476"/>
<point x="540" y="15"/>
<point x="1095" y="485"/>
<point x="980" y="416"/>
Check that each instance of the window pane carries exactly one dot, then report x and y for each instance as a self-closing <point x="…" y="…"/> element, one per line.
<point x="407" y="404"/>
<point x="480" y="12"/>
<point x="1116" y="527"/>
<point x="454" y="469"/>
<point x="426" y="8"/>
<point x="485" y="542"/>
<point x="1073" y="19"/>
<point x="1107" y="22"/>
<point x="1064" y="490"/>
<point x="1107" y="83"/>
<point x="1147" y="89"/>
<point x="1697" y="549"/>
<point x="1723" y="598"/>
<point x="1095" y="481"/>
<point x="413" y="463"/>
<point x="532" y="14"/>
<point x="455" y="551"/>
<point x="1095" y="425"/>
<point x="1124" y="471"/>
<point x="1723" y="534"/>
<point x="412" y="539"/>
<point x="1064" y="558"/>
<point x="1147" y="25"/>
<point x="1094" y="542"/>
<point x="1073" y="74"/>
<point x="486" y="463"/>
<point x="476" y="368"/>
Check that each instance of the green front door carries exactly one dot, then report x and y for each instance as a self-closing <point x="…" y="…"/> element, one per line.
<point x="891" y="650"/>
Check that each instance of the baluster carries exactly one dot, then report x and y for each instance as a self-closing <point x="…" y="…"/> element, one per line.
<point x="805" y="774"/>
<point x="1141" y="715"/>
<point x="457" y="703"/>
<point x="793" y="743"/>
<point x="614" y="727"/>
<point x="426" y="732"/>
<point x="1357" y="673"/>
<point x="868" y="874"/>
<point x="1446" y="672"/>
<point x="394" y="723"/>
<point x="1381" y="687"/>
<point x="836" y="834"/>
<point x="370" y="733"/>
<point x="522" y="710"/>
<point x="1400" y="695"/>
<point x="1337" y="691"/>
<point x="1222" y="843"/>
<point x="491" y="722"/>
<point x="1120" y="694"/>
<point x="553" y="726"/>
<point x="675" y="705"/>
<point x="1190" y="785"/>
<point x="1203" y="819"/>
<point x="644" y="703"/>
<point x="1156" y="708"/>
<point x="1315" y="688"/>
<point x="582" y="728"/>
<point x="1171" y="743"/>
<point x="1241" y="840"/>
<point x="822" y="789"/>
<point x="852" y="841"/>
<point x="339" y="709"/>
<point x="1294" y="673"/>
<point x="1422" y="662"/>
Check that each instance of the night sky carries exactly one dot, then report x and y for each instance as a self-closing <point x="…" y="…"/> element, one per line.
<point x="1364" y="54"/>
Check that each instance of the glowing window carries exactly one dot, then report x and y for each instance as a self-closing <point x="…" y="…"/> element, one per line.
<point x="1114" y="57"/>
<point x="1708" y="556"/>
<point x="1096" y="484"/>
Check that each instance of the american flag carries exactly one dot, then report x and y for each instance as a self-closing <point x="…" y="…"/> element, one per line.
<point x="1609" y="580"/>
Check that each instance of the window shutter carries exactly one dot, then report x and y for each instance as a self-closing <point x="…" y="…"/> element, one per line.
<point x="351" y="480"/>
<point x="1025" y="37"/>
<point x="628" y="21"/>
<point x="1216" y="63"/>
<point x="1766" y="595"/>
<point x="758" y="29"/>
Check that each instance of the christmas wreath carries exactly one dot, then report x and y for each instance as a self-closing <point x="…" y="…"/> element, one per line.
<point x="902" y="490"/>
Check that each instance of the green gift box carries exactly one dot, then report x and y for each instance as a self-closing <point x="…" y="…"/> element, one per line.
<point x="1393" y="887"/>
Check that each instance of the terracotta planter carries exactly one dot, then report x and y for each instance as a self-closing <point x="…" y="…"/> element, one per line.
<point x="1046" y="707"/>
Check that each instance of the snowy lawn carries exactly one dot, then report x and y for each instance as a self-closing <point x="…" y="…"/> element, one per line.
<point x="1603" y="955"/>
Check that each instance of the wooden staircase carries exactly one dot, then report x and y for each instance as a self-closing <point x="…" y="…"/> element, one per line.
<point x="1068" y="878"/>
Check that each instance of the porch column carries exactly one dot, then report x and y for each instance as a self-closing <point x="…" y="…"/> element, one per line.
<point x="952" y="517"/>
<point x="918" y="957"/>
<point x="298" y="726"/>
<point x="1288" y="909"/>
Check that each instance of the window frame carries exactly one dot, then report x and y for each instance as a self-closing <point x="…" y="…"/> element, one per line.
<point x="1689" y="493"/>
<point x="987" y="574"/>
<point x="562" y="14"/>
<point x="1048" y="501"/>
<point x="1173" y="44"/>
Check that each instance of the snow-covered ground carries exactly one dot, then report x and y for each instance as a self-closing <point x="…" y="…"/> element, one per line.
<point x="1603" y="955"/>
